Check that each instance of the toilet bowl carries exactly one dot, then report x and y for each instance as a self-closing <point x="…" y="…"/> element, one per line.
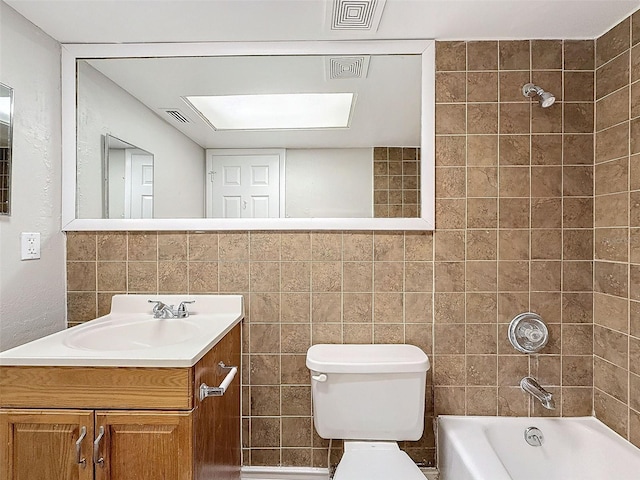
<point x="370" y="396"/>
<point x="376" y="461"/>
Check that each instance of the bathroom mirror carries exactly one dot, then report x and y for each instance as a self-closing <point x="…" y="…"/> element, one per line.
<point x="158" y="87"/>
<point x="6" y="140"/>
<point x="127" y="173"/>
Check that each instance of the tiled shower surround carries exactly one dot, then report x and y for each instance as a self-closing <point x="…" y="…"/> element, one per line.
<point x="514" y="232"/>
<point x="617" y="230"/>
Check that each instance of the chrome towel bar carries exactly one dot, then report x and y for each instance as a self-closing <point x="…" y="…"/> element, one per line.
<point x="207" y="391"/>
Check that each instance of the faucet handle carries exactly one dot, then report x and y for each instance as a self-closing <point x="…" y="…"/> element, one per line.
<point x="182" y="308"/>
<point x="158" y="308"/>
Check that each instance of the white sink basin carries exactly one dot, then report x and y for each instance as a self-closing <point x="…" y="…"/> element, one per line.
<point x="133" y="334"/>
<point x="129" y="336"/>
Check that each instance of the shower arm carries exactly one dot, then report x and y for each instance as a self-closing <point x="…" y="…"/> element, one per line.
<point x="530" y="90"/>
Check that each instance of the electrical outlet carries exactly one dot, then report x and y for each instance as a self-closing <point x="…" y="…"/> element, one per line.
<point x="30" y="246"/>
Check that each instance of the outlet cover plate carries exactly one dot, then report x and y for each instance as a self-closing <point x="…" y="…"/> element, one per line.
<point x="30" y="245"/>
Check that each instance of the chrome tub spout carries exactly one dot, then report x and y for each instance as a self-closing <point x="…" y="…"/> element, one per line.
<point x="532" y="387"/>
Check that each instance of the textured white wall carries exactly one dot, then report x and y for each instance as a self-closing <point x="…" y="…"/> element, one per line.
<point x="178" y="162"/>
<point x="32" y="293"/>
<point x="329" y="182"/>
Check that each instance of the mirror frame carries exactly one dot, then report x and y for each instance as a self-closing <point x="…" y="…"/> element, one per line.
<point x="71" y="53"/>
<point x="7" y="212"/>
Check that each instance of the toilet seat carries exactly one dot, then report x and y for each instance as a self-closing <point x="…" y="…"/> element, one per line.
<point x="376" y="461"/>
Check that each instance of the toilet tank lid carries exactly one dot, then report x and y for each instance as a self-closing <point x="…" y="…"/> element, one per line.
<point x="325" y="358"/>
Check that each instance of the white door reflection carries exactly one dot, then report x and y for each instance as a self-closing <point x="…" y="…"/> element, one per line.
<point x="245" y="183"/>
<point x="128" y="180"/>
<point x="139" y="197"/>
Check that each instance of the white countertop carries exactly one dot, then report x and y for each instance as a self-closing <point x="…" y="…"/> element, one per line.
<point x="129" y="336"/>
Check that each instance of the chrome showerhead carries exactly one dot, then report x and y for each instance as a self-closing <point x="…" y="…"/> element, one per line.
<point x="546" y="99"/>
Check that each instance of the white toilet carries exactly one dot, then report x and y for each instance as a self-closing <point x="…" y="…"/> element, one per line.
<point x="371" y="396"/>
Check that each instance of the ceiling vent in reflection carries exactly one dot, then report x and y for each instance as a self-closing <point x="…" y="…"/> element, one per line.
<point x="355" y="14"/>
<point x="347" y="67"/>
<point x="176" y="115"/>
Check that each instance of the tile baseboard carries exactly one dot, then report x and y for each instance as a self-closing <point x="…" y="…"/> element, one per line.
<point x="302" y="473"/>
<point x="284" y="473"/>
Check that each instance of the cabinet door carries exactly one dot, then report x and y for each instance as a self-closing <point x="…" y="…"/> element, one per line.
<point x="217" y="419"/>
<point x="41" y="444"/>
<point x="145" y="445"/>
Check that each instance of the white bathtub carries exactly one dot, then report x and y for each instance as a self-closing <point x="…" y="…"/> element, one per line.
<point x="494" y="448"/>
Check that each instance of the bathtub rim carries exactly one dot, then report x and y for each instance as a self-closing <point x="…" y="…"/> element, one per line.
<point x="481" y="451"/>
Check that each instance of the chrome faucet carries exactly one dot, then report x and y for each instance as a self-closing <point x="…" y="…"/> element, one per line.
<point x="532" y="387"/>
<point x="162" y="310"/>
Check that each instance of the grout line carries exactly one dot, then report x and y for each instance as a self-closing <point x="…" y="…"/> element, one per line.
<point x="464" y="234"/>
<point x="562" y="230"/>
<point x="629" y="114"/>
<point x="498" y="243"/>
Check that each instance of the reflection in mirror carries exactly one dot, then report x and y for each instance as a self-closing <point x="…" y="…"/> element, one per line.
<point x="6" y="139"/>
<point x="128" y="180"/>
<point x="316" y="183"/>
<point x="142" y="75"/>
<point x="368" y="169"/>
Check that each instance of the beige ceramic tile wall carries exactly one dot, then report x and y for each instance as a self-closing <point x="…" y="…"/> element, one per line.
<point x="299" y="288"/>
<point x="396" y="182"/>
<point x="514" y="224"/>
<point x="617" y="230"/>
<point x="514" y="233"/>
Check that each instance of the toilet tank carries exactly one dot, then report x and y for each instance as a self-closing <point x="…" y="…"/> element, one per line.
<point x="368" y="392"/>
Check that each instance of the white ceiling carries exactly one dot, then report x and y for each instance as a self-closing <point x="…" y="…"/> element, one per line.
<point x="100" y="21"/>
<point x="138" y="21"/>
<point x="386" y="110"/>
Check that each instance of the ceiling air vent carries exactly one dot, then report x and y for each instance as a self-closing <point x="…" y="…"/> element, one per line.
<point x="176" y="115"/>
<point x="347" y="67"/>
<point x="355" y="14"/>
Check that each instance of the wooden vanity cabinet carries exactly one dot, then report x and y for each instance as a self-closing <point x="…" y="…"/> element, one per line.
<point x="155" y="426"/>
<point x="159" y="445"/>
<point x="40" y="444"/>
